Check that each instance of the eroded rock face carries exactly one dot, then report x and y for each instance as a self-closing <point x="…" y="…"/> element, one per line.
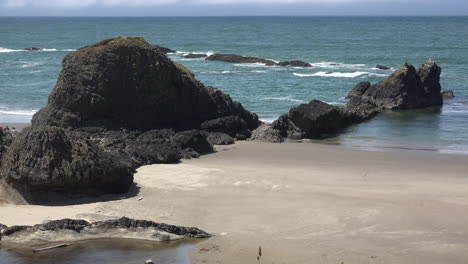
<point x="118" y="104"/>
<point x="52" y="159"/>
<point x="5" y="140"/>
<point x="120" y="228"/>
<point x="267" y="133"/>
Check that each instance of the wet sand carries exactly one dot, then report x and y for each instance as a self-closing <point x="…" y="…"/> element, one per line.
<point x="301" y="202"/>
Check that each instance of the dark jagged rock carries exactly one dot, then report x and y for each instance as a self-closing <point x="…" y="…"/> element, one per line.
<point x="382" y="67"/>
<point x="118" y="104"/>
<point x="234" y="126"/>
<point x="164" y="49"/>
<point x="218" y="138"/>
<point x="195" y="56"/>
<point x="359" y="90"/>
<point x="193" y="139"/>
<point x="53" y="159"/>
<point x="312" y="120"/>
<point x="122" y="225"/>
<point x="406" y="88"/>
<point x="5" y="140"/>
<point x="448" y="94"/>
<point x="267" y="133"/>
<point x="32" y="49"/>
<point x="239" y="59"/>
<point x="294" y="63"/>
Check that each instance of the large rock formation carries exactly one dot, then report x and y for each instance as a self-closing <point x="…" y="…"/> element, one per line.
<point x="295" y="63"/>
<point x="83" y="230"/>
<point x="118" y="104"/>
<point x="406" y="88"/>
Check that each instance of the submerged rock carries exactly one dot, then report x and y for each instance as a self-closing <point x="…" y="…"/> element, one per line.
<point x="239" y="59"/>
<point x="195" y="55"/>
<point x="118" y="104"/>
<point x="59" y="230"/>
<point x="448" y="94"/>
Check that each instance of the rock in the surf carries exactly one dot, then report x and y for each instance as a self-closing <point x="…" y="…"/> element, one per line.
<point x="295" y="63"/>
<point x="382" y="67"/>
<point x="448" y="94"/>
<point x="195" y="56"/>
<point x="239" y="59"/>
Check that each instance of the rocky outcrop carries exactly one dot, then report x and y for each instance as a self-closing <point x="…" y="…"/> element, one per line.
<point x="267" y="133"/>
<point x="59" y="230"/>
<point x="195" y="56"/>
<point x="117" y="105"/>
<point x="5" y="140"/>
<point x="447" y="94"/>
<point x="163" y="49"/>
<point x="382" y="67"/>
<point x="32" y="49"/>
<point x="406" y="88"/>
<point x="239" y="59"/>
<point x="294" y="63"/>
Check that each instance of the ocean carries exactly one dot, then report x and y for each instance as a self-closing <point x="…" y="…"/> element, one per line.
<point x="342" y="50"/>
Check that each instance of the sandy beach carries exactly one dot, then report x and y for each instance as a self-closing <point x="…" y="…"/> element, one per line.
<point x="301" y="202"/>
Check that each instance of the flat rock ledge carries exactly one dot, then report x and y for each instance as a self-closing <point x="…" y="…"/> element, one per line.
<point x="70" y="230"/>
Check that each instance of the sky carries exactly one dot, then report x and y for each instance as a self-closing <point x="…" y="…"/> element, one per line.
<point x="232" y="7"/>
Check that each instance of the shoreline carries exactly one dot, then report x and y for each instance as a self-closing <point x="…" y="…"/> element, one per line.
<point x="299" y="202"/>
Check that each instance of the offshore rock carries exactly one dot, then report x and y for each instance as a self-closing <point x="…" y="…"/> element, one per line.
<point x="267" y="133"/>
<point x="124" y="227"/>
<point x="239" y="59"/>
<point x="382" y="67"/>
<point x="295" y="63"/>
<point x="118" y="104"/>
<point x="195" y="56"/>
<point x="448" y="94"/>
<point x="32" y="49"/>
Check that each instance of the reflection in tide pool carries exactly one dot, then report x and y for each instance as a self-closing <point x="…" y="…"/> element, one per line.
<point x="102" y="251"/>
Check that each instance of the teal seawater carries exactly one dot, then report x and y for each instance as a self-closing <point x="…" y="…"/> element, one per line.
<point x="350" y="47"/>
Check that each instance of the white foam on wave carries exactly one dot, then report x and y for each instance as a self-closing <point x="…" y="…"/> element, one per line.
<point x="251" y="65"/>
<point x="284" y="98"/>
<point x="32" y="64"/>
<point x="5" y="50"/>
<point x="333" y="64"/>
<point x="18" y="112"/>
<point x="334" y="74"/>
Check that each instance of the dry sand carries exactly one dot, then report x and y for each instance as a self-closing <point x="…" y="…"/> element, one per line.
<point x="301" y="202"/>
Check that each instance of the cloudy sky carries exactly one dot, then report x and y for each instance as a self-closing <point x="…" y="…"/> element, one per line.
<point x="230" y="7"/>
